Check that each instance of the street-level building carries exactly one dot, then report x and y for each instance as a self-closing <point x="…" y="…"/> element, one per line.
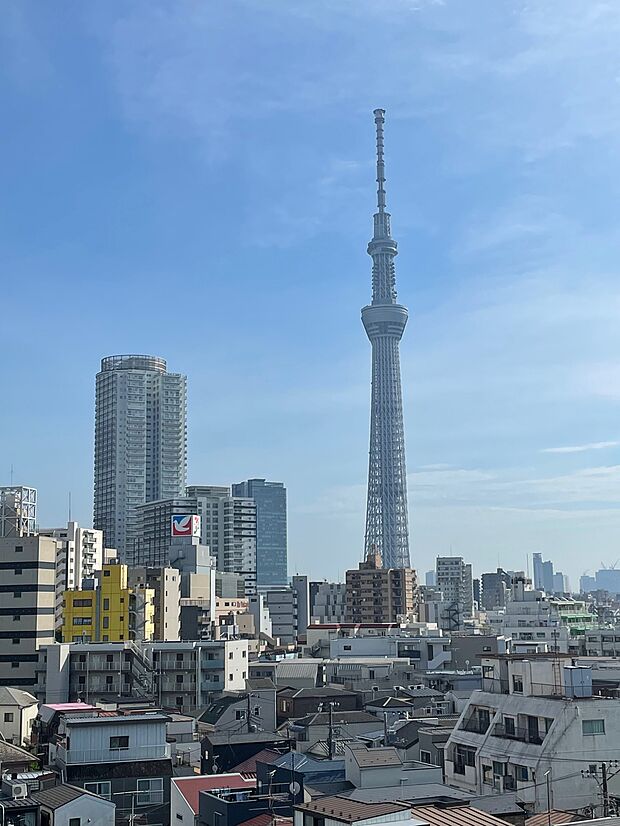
<point x="27" y="605"/>
<point x="18" y="710"/>
<point x="532" y="715"/>
<point x="122" y="757"/>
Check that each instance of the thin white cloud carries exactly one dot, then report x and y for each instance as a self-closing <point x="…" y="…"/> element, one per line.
<point x="580" y="448"/>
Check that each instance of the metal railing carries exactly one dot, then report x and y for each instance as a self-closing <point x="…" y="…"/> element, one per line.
<point x="523" y="735"/>
<point x="476" y="725"/>
<point x="85" y="756"/>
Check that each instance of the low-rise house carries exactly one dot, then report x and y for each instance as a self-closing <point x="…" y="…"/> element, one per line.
<point x="185" y="793"/>
<point x="339" y="726"/>
<point x="252" y="709"/>
<point x="311" y="775"/>
<point x="232" y="807"/>
<point x="531" y="713"/>
<point x="296" y="703"/>
<point x="336" y="810"/>
<point x="14" y="759"/>
<point x="67" y="805"/>
<point x="122" y="757"/>
<point x="18" y="710"/>
<point x="223" y="750"/>
<point x="406" y="737"/>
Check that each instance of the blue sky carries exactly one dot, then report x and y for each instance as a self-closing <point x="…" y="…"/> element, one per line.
<point x="194" y="180"/>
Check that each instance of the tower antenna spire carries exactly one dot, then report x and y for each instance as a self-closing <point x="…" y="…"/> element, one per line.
<point x="379" y="122"/>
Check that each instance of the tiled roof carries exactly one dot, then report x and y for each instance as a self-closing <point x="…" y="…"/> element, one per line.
<point x="15" y="696"/>
<point x="190" y="787"/>
<point x="384" y="756"/>
<point x="455" y="816"/>
<point x="58" y="796"/>
<point x="263" y="756"/>
<point x="557" y="817"/>
<point x="266" y="819"/>
<point x="350" y="811"/>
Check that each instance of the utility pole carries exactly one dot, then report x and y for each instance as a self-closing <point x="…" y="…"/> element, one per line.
<point x="548" y="780"/>
<point x="248" y="711"/>
<point x="604" y="789"/>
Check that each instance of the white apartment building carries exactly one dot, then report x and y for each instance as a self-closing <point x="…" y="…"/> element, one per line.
<point x="228" y="528"/>
<point x="537" y="623"/>
<point x="80" y="553"/>
<point x="534" y="715"/>
<point x="454" y="580"/>
<point x="328" y="602"/>
<point x="140" y="443"/>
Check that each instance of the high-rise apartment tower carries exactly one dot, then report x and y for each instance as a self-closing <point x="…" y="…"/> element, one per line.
<point x="387" y="528"/>
<point x="271" y="536"/>
<point x="140" y="442"/>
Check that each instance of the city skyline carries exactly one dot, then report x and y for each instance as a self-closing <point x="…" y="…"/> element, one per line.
<point x="137" y="211"/>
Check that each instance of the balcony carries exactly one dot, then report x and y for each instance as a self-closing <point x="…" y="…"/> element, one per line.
<point x="86" y="756"/>
<point x="522" y="735"/>
<point x="476" y="726"/>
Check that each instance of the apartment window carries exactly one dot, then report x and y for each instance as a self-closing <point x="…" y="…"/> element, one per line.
<point x="178" y="701"/>
<point x="106" y="604"/>
<point x="18" y="571"/>
<point x="517" y="684"/>
<point x="103" y="789"/>
<point x="8" y="716"/>
<point x="151" y="791"/>
<point x="593" y="726"/>
<point x="106" y="622"/>
<point x="14" y="665"/>
<point x="19" y="549"/>
<point x="244" y="653"/>
<point x="75" y="821"/>
<point x="521" y="774"/>
<point x="82" y="603"/>
<point x="81" y="680"/>
<point x="509" y="725"/>
<point x="15" y="640"/>
<point x="179" y="658"/>
<point x="121" y="742"/>
<point x="106" y="573"/>
<point x="425" y="756"/>
<point x="17" y="594"/>
<point x="109" y="680"/>
<point x="230" y="677"/>
<point x="240" y="714"/>
<point x="487" y="774"/>
<point x="17" y="617"/>
<point x="230" y="655"/>
<point x="82" y="658"/>
<point x="179" y="678"/>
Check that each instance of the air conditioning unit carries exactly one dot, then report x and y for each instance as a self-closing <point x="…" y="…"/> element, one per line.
<point x="13" y="789"/>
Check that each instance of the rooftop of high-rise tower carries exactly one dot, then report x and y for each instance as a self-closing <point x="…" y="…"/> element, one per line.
<point x="133" y="362"/>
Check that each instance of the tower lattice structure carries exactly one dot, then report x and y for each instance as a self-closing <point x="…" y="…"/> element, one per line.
<point x="387" y="524"/>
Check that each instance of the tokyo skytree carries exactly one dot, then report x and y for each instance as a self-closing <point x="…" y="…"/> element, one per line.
<point x="387" y="529"/>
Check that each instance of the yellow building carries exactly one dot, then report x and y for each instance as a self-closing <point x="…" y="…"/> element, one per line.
<point x="110" y="612"/>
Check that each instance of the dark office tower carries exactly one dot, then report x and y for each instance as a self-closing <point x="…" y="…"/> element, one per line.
<point x="387" y="528"/>
<point x="271" y="543"/>
<point x="140" y="443"/>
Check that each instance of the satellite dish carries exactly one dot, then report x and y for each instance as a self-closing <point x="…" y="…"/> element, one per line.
<point x="294" y="788"/>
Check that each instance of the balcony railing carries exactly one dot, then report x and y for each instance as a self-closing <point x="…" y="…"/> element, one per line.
<point x="523" y="735"/>
<point x="85" y="756"/>
<point x="476" y="726"/>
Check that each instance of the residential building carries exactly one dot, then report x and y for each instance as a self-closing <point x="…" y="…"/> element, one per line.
<point x="18" y="710"/>
<point x="328" y="602"/>
<point x="319" y="729"/>
<point x="253" y="709"/>
<point x="18" y="511"/>
<point x="232" y="808"/>
<point x="122" y="757"/>
<point x="495" y="588"/>
<point x="80" y="554"/>
<point x="188" y="675"/>
<point x="288" y="611"/>
<point x="377" y="595"/>
<point x="271" y="529"/>
<point x="165" y="583"/>
<point x="428" y="652"/>
<point x="27" y="600"/>
<point x="108" y="609"/>
<point x="293" y="703"/>
<point x="185" y="793"/>
<point x="454" y="579"/>
<point x="223" y="751"/>
<point x="140" y="443"/>
<point x="257" y="606"/>
<point x="336" y="810"/>
<point x="430" y="578"/>
<point x="68" y="805"/>
<point x="93" y="672"/>
<point x="229" y="528"/>
<point x="532" y="711"/>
